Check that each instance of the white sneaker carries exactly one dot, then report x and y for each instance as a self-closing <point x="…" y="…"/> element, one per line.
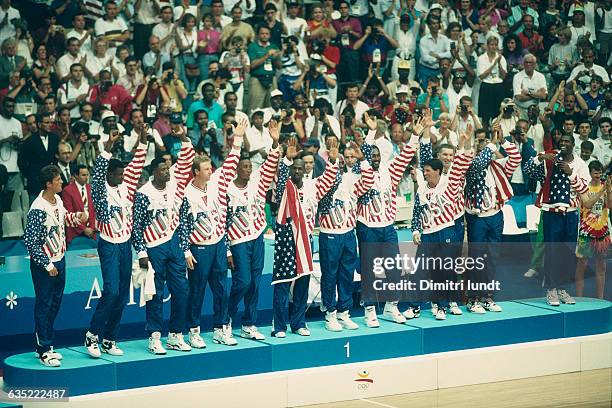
<point x="412" y="313"/>
<point x="251" y="332"/>
<point x="303" y="331"/>
<point x="370" y="318"/>
<point x="194" y="339"/>
<point x="490" y="305"/>
<point x="392" y="313"/>
<point x="434" y="309"/>
<point x="91" y="343"/>
<point x="530" y="273"/>
<point x="552" y="298"/>
<point x="440" y="314"/>
<point x="280" y="335"/>
<point x="55" y="354"/>
<point x="454" y="309"/>
<point x="110" y="347"/>
<point x="224" y="336"/>
<point x="474" y="306"/>
<point x="48" y="360"/>
<point x="331" y="322"/>
<point x="155" y="344"/>
<point x="565" y="297"/>
<point x="345" y="321"/>
<point x="175" y="341"/>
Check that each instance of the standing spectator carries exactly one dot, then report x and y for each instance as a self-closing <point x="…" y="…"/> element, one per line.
<point x="220" y="20"/>
<point x="77" y="198"/>
<point x="9" y="61"/>
<point x="374" y="46"/>
<point x="81" y="33"/>
<point x="174" y="87"/>
<point x="433" y="98"/>
<point x="562" y="56"/>
<point x="133" y="77"/>
<point x="349" y="30"/>
<point x="237" y="61"/>
<point x="404" y="78"/>
<point x="36" y="152"/>
<point x="321" y="124"/>
<point x="156" y="57"/>
<point x="492" y="70"/>
<point x="316" y="23"/>
<point x="277" y="29"/>
<point x="11" y="138"/>
<point x="583" y="73"/>
<point x="187" y="43"/>
<point x="352" y="100"/>
<point x="145" y="18"/>
<point x="529" y="85"/>
<point x="433" y="47"/>
<point x="7" y="15"/>
<point x="150" y="95"/>
<point x="73" y="56"/>
<point x="208" y="104"/>
<point x="468" y="14"/>
<point x="237" y="28"/>
<point x="63" y="156"/>
<point x="578" y="27"/>
<point x="265" y="60"/>
<point x="131" y="140"/>
<point x="530" y="39"/>
<point x="166" y="32"/>
<point x="111" y="28"/>
<point x="209" y="46"/>
<point x="100" y="60"/>
<point x="107" y="96"/>
<point x="515" y="19"/>
<point x="296" y="25"/>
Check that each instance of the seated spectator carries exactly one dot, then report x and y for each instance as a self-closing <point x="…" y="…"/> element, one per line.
<point x="586" y="151"/>
<point x="112" y="28"/>
<point x="9" y="61"/>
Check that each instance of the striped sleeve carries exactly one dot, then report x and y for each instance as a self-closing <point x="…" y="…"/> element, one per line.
<point x="267" y="172"/>
<point x="183" y="167"/>
<point x="132" y="172"/>
<point x="399" y="163"/>
<point x="34" y="238"/>
<point x="456" y="174"/>
<point x="141" y="202"/>
<point x="514" y="158"/>
<point x="325" y="181"/>
<point x="99" y="194"/>
<point x="365" y="182"/>
<point x="72" y="219"/>
<point x="579" y="184"/>
<point x="228" y="170"/>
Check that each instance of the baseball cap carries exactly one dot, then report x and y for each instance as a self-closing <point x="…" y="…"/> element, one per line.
<point x="403" y="64"/>
<point x="436" y="6"/>
<point x="176" y="118"/>
<point x="107" y="114"/>
<point x="313" y="141"/>
<point x="276" y="92"/>
<point x="402" y="89"/>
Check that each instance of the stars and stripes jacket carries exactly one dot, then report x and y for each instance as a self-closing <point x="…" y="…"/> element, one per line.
<point x="487" y="186"/>
<point x="156" y="213"/>
<point x="45" y="235"/>
<point x="426" y="154"/>
<point x="377" y="207"/>
<point x="559" y="192"/>
<point x="338" y="208"/>
<point x="203" y="214"/>
<point x="434" y="208"/>
<point x="246" y="215"/>
<point x="312" y="191"/>
<point x="114" y="205"/>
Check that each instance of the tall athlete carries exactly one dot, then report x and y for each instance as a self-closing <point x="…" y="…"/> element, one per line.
<point x="376" y="211"/>
<point x="45" y="239"/>
<point x="337" y="243"/>
<point x="113" y="189"/>
<point x="433" y="221"/>
<point x="298" y="200"/>
<point x="203" y="219"/>
<point x="155" y="238"/>
<point x="487" y="189"/>
<point x="246" y="224"/>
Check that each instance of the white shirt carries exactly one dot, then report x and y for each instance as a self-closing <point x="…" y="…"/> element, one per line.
<point x="453" y="97"/>
<point x="69" y="92"/>
<point x="440" y="46"/>
<point x="161" y="31"/>
<point x="536" y="133"/>
<point x="523" y="81"/>
<point x="131" y="141"/>
<point x="607" y="27"/>
<point x="247" y="11"/>
<point x="95" y="64"/>
<point x="104" y="27"/>
<point x="85" y="45"/>
<point x="407" y="42"/>
<point x="8" y="156"/>
<point x="596" y="152"/>
<point x="310" y="124"/>
<point x="484" y="63"/>
<point x="65" y="61"/>
<point x="146" y="14"/>
<point x="452" y="137"/>
<point x="8" y="30"/>
<point x="360" y="108"/>
<point x="597" y="69"/>
<point x="258" y="140"/>
<point x="190" y="40"/>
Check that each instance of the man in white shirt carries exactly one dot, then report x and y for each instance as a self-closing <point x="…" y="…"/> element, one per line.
<point x="585" y="71"/>
<point x="74" y="92"/>
<point x="258" y="139"/>
<point x="10" y="140"/>
<point x="7" y="14"/>
<point x="433" y="46"/>
<point x="352" y="99"/>
<point x="529" y="85"/>
<point x="247" y="6"/>
<point x="145" y="17"/>
<point x="456" y="91"/>
<point x="165" y="32"/>
<point x="80" y="33"/>
<point x="584" y="133"/>
<point x="130" y="142"/>
<point x="73" y="56"/>
<point x="321" y="124"/>
<point x="133" y="76"/>
<point x="112" y="29"/>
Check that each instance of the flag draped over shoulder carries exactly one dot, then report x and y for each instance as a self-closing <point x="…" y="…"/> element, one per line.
<point x="292" y="250"/>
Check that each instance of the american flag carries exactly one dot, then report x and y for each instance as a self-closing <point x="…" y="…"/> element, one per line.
<point x="559" y="191"/>
<point x="292" y="250"/>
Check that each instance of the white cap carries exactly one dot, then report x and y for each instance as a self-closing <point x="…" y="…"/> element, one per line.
<point x="276" y="92"/>
<point x="107" y="114"/>
<point x="402" y="89"/>
<point x="436" y="6"/>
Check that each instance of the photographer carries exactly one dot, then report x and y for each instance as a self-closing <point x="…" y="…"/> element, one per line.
<point x="257" y="142"/>
<point x="315" y="82"/>
<point x="172" y="141"/>
<point x="173" y="87"/>
<point x="520" y="181"/>
<point x="434" y="98"/>
<point x="321" y="123"/>
<point x="583" y="73"/>
<point x="84" y="145"/>
<point x="107" y="96"/>
<point x="374" y="46"/>
<point x="400" y="111"/>
<point x="24" y="92"/>
<point x="237" y="61"/>
<point x="289" y="123"/>
<point x="139" y="125"/>
<point x="151" y="94"/>
<point x="206" y="140"/>
<point x="292" y="67"/>
<point x="464" y="116"/>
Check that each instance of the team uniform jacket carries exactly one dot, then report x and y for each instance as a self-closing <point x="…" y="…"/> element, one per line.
<point x="246" y="206"/>
<point x="114" y="205"/>
<point x="488" y="186"/>
<point x="312" y="191"/>
<point x="203" y="215"/>
<point x="45" y="235"/>
<point x="378" y="206"/>
<point x="559" y="192"/>
<point x="156" y="213"/>
<point x="434" y="208"/>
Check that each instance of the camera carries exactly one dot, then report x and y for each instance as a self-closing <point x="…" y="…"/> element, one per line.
<point x="153" y="79"/>
<point x="169" y="76"/>
<point x="276" y="117"/>
<point x="509" y="109"/>
<point x="212" y="132"/>
<point x="464" y="108"/>
<point x="318" y="47"/>
<point x="434" y="90"/>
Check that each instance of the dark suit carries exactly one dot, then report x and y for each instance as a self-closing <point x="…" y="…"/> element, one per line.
<point x="66" y="181"/>
<point x="6" y="67"/>
<point x="33" y="157"/>
<point x="71" y="196"/>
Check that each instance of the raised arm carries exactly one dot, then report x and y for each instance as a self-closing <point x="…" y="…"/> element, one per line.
<point x="325" y="181"/>
<point x="365" y="182"/>
<point x="269" y="167"/>
<point x="514" y="158"/>
<point x="184" y="161"/>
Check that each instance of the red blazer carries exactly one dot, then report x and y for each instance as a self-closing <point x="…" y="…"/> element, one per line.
<point x="71" y="197"/>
